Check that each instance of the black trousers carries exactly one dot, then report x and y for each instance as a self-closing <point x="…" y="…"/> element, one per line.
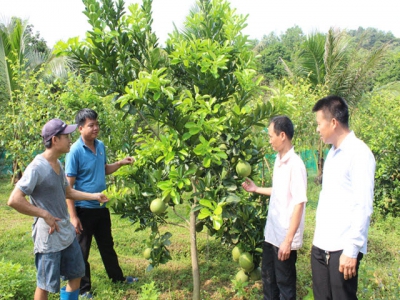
<point x="97" y="223"/>
<point x="278" y="277"/>
<point x="328" y="282"/>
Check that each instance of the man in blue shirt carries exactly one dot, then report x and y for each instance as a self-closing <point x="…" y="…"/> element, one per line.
<point x="86" y="167"/>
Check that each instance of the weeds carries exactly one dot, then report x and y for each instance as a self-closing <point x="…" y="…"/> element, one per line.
<point x="16" y="282"/>
<point x="149" y="291"/>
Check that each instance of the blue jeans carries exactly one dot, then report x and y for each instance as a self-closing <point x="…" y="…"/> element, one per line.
<point x="67" y="264"/>
<point x="278" y="277"/>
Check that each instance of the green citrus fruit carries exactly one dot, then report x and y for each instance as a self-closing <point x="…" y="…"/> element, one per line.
<point x="157" y="206"/>
<point x="246" y="262"/>
<point x="147" y="253"/>
<point x="223" y="147"/>
<point x="243" y="169"/>
<point x="236" y="251"/>
<point x="255" y="274"/>
<point x="241" y="276"/>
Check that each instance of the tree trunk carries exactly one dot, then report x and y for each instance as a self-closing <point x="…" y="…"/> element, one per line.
<point x="195" y="261"/>
<point x="320" y="164"/>
<point x="16" y="172"/>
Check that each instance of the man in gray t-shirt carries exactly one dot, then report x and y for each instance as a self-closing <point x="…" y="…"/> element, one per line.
<point x="57" y="252"/>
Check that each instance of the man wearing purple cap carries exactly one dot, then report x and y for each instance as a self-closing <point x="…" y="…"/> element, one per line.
<point x="57" y="252"/>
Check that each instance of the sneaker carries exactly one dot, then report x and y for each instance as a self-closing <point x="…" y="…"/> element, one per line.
<point x="86" y="295"/>
<point x="130" y="279"/>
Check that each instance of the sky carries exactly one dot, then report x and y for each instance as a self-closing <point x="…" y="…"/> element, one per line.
<point x="62" y="19"/>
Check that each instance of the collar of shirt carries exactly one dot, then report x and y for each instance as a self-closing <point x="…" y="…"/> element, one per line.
<point x="285" y="158"/>
<point x="96" y="144"/>
<point x="346" y="143"/>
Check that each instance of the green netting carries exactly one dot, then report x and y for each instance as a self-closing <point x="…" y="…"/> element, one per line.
<point x="309" y="157"/>
<point x="5" y="164"/>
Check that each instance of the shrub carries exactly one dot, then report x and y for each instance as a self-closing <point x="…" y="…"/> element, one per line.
<point x="149" y="292"/>
<point x="16" y="282"/>
<point x="376" y="121"/>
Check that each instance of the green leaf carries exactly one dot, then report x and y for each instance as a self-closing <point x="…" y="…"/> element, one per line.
<point x="170" y="156"/>
<point x="218" y="210"/>
<point x="217" y="222"/>
<point x="164" y="185"/>
<point x="156" y="96"/>
<point x="208" y="203"/>
<point x="207" y="162"/>
<point x="236" y="109"/>
<point x="204" y="213"/>
<point x="186" y="136"/>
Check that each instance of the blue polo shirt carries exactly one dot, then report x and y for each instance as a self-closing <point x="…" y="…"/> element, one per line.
<point x="88" y="168"/>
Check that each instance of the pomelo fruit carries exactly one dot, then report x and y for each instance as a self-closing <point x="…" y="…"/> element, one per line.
<point x="246" y="262"/>
<point x="243" y="169"/>
<point x="255" y="274"/>
<point x="147" y="253"/>
<point x="241" y="276"/>
<point x="223" y="147"/>
<point x="157" y="206"/>
<point x="236" y="251"/>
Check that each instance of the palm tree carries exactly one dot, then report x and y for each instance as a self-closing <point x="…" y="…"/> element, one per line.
<point x="15" y="49"/>
<point x="339" y="64"/>
<point x="18" y="58"/>
<point x="335" y="61"/>
<point x="11" y="46"/>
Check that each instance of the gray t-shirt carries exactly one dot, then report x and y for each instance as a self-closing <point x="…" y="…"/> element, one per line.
<point x="46" y="189"/>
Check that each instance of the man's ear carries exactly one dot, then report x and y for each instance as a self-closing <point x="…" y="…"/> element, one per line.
<point x="282" y="135"/>
<point x="53" y="139"/>
<point x="334" y="123"/>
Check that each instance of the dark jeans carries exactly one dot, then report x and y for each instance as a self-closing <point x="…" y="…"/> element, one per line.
<point x="97" y="223"/>
<point x="328" y="282"/>
<point x="278" y="277"/>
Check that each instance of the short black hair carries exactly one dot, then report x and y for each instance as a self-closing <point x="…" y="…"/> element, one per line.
<point x="84" y="114"/>
<point x="283" y="124"/>
<point x="48" y="144"/>
<point x="334" y="107"/>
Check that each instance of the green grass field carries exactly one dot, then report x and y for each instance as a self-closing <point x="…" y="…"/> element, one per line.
<point x="379" y="271"/>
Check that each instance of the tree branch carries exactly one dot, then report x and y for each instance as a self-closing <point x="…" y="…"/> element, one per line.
<point x="181" y="217"/>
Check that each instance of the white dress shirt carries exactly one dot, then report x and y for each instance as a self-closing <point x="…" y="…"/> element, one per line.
<point x="345" y="202"/>
<point x="289" y="187"/>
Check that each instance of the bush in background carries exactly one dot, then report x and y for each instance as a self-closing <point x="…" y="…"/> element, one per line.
<point x="376" y="121"/>
<point x="16" y="282"/>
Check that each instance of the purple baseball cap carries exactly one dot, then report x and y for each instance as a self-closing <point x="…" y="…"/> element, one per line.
<point x="54" y="127"/>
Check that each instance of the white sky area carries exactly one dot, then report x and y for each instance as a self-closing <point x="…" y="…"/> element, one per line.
<point x="62" y="19"/>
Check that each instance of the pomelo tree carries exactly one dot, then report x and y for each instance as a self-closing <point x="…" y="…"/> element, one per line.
<point x="198" y="109"/>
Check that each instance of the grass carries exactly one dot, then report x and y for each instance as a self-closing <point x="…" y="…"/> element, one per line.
<point x="379" y="274"/>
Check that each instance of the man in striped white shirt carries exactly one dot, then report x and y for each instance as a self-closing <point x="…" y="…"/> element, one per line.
<point x="345" y="204"/>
